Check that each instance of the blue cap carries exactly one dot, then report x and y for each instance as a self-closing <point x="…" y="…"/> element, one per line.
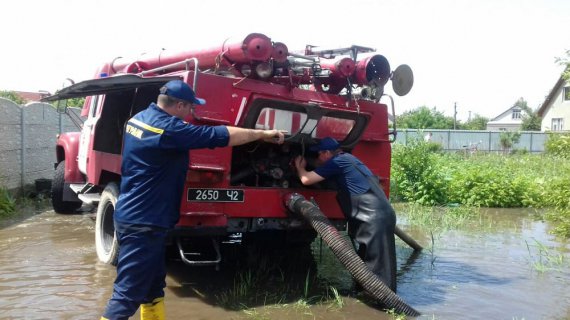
<point x="179" y="89"/>
<point x="327" y="143"/>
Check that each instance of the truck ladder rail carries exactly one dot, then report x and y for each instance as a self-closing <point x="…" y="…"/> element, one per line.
<point x="185" y="62"/>
<point x="195" y="263"/>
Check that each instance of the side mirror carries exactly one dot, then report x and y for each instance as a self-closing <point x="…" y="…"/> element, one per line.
<point x="61" y="106"/>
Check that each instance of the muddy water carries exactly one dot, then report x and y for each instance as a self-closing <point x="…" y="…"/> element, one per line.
<point x="506" y="267"/>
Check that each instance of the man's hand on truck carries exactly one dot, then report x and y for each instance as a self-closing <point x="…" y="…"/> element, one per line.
<point x="239" y="136"/>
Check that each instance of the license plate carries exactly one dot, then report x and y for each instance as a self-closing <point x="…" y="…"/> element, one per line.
<point x="215" y="195"/>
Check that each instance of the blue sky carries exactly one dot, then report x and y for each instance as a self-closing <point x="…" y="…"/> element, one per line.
<point x="483" y="55"/>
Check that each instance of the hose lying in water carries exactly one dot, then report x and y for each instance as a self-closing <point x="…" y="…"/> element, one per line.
<point x="407" y="239"/>
<point x="345" y="253"/>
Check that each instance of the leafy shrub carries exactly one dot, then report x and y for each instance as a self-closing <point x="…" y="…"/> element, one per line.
<point x="434" y="146"/>
<point x="414" y="174"/>
<point x="520" y="151"/>
<point x="484" y="180"/>
<point x="488" y="180"/>
<point x="494" y="181"/>
<point x="7" y="203"/>
<point x="558" y="145"/>
<point x="509" y="138"/>
<point x="558" y="194"/>
<point x="11" y="95"/>
<point x="562" y="220"/>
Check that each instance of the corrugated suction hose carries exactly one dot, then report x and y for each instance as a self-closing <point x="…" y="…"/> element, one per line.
<point x="345" y="253"/>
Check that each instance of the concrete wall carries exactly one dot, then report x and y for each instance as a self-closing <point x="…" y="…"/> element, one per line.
<point x="27" y="144"/>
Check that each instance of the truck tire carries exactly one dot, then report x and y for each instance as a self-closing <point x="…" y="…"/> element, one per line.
<point x="105" y="238"/>
<point x="57" y="190"/>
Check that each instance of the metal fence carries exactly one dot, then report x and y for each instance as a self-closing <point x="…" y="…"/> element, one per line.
<point x="489" y="141"/>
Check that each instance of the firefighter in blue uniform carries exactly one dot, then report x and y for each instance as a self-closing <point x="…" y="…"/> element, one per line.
<point x="371" y="218"/>
<point x="154" y="165"/>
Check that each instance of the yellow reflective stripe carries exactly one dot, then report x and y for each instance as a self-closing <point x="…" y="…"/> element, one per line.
<point x="146" y="126"/>
<point x="137" y="132"/>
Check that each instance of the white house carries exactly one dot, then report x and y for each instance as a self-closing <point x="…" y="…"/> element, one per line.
<point x="555" y="111"/>
<point x="510" y="120"/>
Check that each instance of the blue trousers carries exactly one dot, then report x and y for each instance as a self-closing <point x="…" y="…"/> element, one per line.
<point x="141" y="271"/>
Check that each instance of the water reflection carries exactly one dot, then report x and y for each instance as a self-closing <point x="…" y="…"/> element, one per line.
<point x="47" y="266"/>
<point x="486" y="270"/>
<point x="501" y="265"/>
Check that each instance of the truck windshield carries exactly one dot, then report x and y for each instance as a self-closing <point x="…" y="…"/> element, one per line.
<point x="295" y="121"/>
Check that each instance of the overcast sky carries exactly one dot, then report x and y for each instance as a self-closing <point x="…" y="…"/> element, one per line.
<point x="481" y="54"/>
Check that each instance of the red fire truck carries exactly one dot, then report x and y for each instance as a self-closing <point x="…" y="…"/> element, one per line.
<point x="233" y="193"/>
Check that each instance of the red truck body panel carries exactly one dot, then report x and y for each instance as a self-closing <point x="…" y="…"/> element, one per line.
<point x="242" y="189"/>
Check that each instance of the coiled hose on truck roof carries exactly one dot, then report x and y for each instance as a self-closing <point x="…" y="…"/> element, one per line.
<point x="345" y="253"/>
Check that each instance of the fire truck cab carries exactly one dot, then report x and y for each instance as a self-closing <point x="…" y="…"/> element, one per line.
<point x="233" y="193"/>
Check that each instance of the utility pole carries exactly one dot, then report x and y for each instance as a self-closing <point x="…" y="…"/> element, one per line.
<point x="469" y="119"/>
<point x="454" y="115"/>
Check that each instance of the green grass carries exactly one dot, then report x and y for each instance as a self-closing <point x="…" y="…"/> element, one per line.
<point x="396" y="316"/>
<point x="439" y="218"/>
<point x="542" y="259"/>
<point x="337" y="302"/>
<point x="285" y="278"/>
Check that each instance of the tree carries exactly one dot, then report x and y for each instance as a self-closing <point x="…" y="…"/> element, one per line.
<point x="476" y="123"/>
<point x="75" y="102"/>
<point x="11" y="95"/>
<point x="507" y="139"/>
<point x="424" y="118"/>
<point x="531" y="120"/>
<point x="565" y="61"/>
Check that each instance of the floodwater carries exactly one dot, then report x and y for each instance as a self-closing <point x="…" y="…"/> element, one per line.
<point x="506" y="267"/>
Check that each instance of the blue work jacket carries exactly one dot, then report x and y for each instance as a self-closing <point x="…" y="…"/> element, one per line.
<point x="341" y="168"/>
<point x="154" y="166"/>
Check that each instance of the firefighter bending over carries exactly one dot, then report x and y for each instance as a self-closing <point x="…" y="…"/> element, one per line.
<point x="154" y="164"/>
<point x="370" y="216"/>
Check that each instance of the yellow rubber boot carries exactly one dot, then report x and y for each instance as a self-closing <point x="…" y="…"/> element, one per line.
<point x="153" y="310"/>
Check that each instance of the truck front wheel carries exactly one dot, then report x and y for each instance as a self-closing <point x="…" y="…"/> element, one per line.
<point x="57" y="191"/>
<point x="105" y="237"/>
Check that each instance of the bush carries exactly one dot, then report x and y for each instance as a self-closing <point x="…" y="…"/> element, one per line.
<point x="508" y="138"/>
<point x="481" y="180"/>
<point x="13" y="96"/>
<point x="562" y="220"/>
<point x="495" y="181"/>
<point x="519" y="151"/>
<point x="558" y="144"/>
<point x="488" y="180"/>
<point x="414" y="174"/>
<point x="434" y="146"/>
<point x="7" y="203"/>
